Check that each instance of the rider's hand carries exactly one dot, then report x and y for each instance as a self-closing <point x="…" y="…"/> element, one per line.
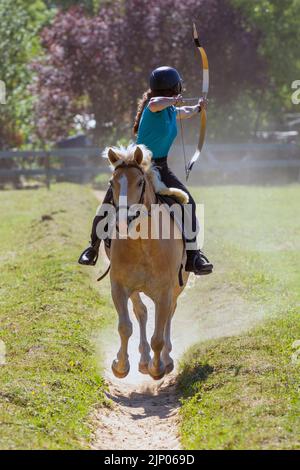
<point x="203" y="103"/>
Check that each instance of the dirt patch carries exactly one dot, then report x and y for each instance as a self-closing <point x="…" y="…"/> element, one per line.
<point x="141" y="417"/>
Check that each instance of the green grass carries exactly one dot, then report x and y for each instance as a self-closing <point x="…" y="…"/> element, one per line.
<point x="49" y="311"/>
<point x="242" y="392"/>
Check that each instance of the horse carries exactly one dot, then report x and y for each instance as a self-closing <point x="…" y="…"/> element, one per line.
<point x="149" y="265"/>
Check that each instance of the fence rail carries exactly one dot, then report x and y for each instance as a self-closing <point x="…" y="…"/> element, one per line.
<point x="86" y="162"/>
<point x="64" y="163"/>
<point x="234" y="159"/>
<point x="84" y="153"/>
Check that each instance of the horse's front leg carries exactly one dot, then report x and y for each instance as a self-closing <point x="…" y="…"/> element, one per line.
<point x="168" y="361"/>
<point x="163" y="310"/>
<point x="121" y="366"/>
<point x="140" y="311"/>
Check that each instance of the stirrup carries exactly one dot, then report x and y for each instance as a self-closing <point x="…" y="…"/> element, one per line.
<point x="203" y="256"/>
<point x="204" y="270"/>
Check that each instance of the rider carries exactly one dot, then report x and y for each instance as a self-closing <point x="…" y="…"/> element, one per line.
<point x="155" y="126"/>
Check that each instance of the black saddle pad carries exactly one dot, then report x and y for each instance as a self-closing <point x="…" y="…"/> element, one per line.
<point x="169" y="201"/>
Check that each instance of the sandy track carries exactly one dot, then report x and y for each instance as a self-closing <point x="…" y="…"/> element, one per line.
<point x="142" y="417"/>
<point x="143" y="412"/>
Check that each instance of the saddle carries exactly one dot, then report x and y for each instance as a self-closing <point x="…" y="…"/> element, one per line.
<point x="170" y="201"/>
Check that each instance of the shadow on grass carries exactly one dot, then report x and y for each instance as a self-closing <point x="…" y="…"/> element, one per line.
<point x="190" y="376"/>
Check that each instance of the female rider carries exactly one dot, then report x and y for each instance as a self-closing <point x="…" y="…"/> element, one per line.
<point x="155" y="126"/>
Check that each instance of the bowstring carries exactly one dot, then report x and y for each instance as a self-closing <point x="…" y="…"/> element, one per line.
<point x="182" y="143"/>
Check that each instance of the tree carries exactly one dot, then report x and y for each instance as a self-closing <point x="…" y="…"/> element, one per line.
<point x="20" y="22"/>
<point x="100" y="64"/>
<point x="278" y="21"/>
<point x="91" y="6"/>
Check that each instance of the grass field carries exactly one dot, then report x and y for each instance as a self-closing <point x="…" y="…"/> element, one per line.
<point x="242" y="392"/>
<point x="238" y="392"/>
<point x="49" y="311"/>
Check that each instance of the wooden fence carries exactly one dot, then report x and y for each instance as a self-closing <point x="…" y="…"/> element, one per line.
<point x="237" y="161"/>
<point x="52" y="163"/>
<point x="227" y="158"/>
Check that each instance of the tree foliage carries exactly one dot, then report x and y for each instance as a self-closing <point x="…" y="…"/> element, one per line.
<point x="20" y="22"/>
<point x="96" y="57"/>
<point x="100" y="64"/>
<point x="90" y="6"/>
<point x="278" y="21"/>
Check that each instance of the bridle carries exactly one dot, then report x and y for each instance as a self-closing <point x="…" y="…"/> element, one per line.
<point x="126" y="165"/>
<point x="132" y="165"/>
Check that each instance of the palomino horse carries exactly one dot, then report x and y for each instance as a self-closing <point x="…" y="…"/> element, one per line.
<point x="149" y="265"/>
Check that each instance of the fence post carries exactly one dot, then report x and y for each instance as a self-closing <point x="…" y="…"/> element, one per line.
<point x="47" y="168"/>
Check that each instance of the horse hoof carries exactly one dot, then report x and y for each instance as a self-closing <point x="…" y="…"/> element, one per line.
<point x="169" y="367"/>
<point x="156" y="373"/>
<point x="117" y="373"/>
<point x="157" y="377"/>
<point x="143" y="368"/>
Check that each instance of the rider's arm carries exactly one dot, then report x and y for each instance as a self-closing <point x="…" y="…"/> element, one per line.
<point x="158" y="103"/>
<point x="186" y="112"/>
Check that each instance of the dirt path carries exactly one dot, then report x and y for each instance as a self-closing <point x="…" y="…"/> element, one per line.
<point x="142" y="417"/>
<point x="144" y="413"/>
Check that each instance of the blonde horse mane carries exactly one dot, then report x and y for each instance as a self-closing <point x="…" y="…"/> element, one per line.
<point x="126" y="155"/>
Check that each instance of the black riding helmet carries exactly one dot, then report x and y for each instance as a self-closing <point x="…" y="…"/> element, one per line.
<point x="165" y="78"/>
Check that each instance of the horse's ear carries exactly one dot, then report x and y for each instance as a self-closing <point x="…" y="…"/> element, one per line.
<point x="112" y="156"/>
<point x="138" y="155"/>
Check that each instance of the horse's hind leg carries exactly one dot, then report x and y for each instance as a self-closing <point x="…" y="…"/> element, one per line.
<point x="121" y="366"/>
<point x="140" y="311"/>
<point x="163" y="310"/>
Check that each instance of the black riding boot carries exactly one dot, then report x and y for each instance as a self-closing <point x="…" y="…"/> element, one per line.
<point x="89" y="256"/>
<point x="197" y="263"/>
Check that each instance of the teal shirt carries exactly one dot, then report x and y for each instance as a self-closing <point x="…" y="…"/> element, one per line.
<point x="158" y="130"/>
